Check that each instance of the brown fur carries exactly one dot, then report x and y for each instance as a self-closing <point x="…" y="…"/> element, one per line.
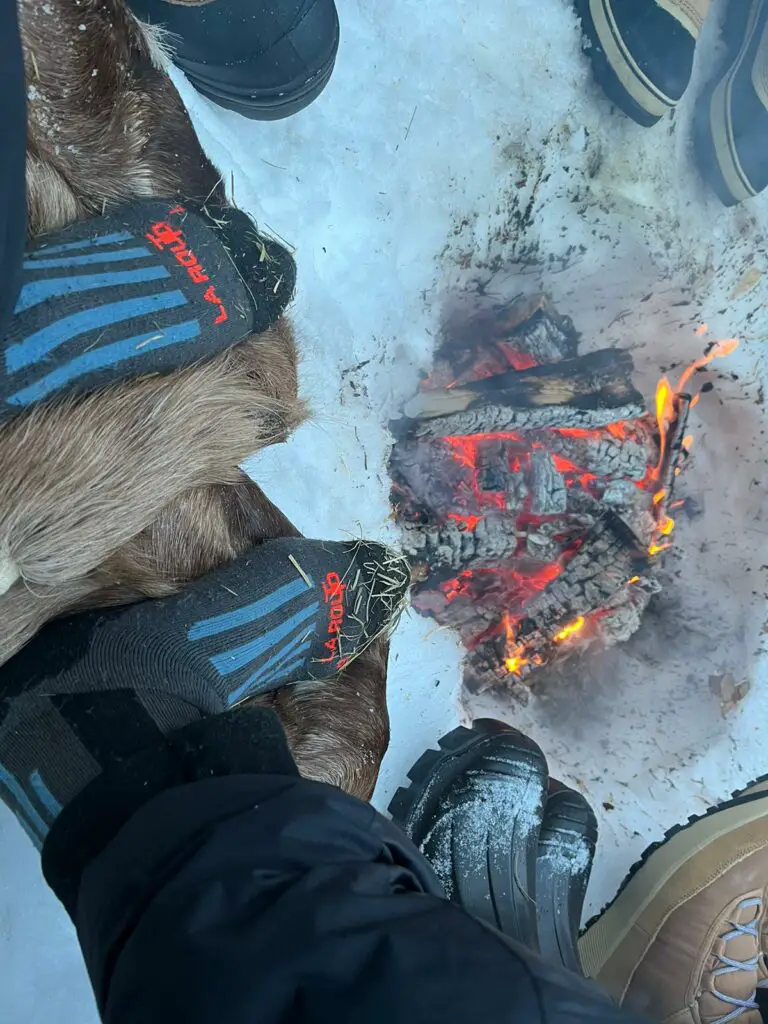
<point x="80" y="478"/>
<point x="133" y="491"/>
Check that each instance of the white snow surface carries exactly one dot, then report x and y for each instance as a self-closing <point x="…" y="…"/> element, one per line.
<point x="459" y="143"/>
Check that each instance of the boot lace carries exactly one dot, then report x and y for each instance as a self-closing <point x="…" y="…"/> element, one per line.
<point x="730" y="966"/>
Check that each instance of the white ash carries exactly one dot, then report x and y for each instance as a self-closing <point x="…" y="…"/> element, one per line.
<point x="493" y="539"/>
<point x="491" y="807"/>
<point x="550" y="497"/>
<point x="608" y="457"/>
<point x="495" y="419"/>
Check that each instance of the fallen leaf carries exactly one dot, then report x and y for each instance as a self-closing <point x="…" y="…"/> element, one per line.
<point x="728" y="691"/>
<point x="747" y="283"/>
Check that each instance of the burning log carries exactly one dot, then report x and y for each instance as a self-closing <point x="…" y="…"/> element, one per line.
<point x="609" y="556"/>
<point x="524" y="332"/>
<point x="534" y="491"/>
<point x="607" y="563"/>
<point x="549" y="495"/>
<point x="608" y="456"/>
<point x="454" y="545"/>
<point x="674" y="447"/>
<point x="589" y="391"/>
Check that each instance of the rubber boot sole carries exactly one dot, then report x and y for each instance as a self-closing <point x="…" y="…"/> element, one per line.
<point x="714" y="143"/>
<point x="615" y="71"/>
<point x="267" y="106"/>
<point x="503" y="893"/>
<point x="647" y="878"/>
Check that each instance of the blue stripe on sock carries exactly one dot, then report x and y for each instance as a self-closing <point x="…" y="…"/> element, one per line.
<point x="284" y="667"/>
<point x="100" y="358"/>
<point x="34" y="838"/>
<point x="44" y="795"/>
<point x="38" y="345"/>
<point x="33" y="818"/>
<point x="84" y="243"/>
<point x="231" y="661"/>
<point x="286" y="670"/>
<point x="242" y="691"/>
<point x="95" y="257"/>
<point x="35" y="292"/>
<point x="290" y="650"/>
<point x="242" y="616"/>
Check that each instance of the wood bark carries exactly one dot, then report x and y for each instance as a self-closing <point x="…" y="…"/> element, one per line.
<point x="590" y="391"/>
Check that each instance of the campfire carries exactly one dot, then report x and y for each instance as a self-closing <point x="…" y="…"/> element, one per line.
<point x="537" y="493"/>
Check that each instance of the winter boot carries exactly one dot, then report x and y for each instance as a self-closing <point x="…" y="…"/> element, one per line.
<point x="731" y="131"/>
<point x="642" y="51"/>
<point x="264" y="60"/>
<point x="681" y="941"/>
<point x="474" y="808"/>
<point x="761" y="788"/>
<point x="566" y="850"/>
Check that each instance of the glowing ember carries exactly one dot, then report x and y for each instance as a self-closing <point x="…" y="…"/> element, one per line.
<point x="469" y="522"/>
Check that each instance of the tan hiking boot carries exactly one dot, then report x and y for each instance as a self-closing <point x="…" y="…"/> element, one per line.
<point x="642" y="51"/>
<point x="732" y="114"/>
<point x="762" y="963"/>
<point x="680" y="944"/>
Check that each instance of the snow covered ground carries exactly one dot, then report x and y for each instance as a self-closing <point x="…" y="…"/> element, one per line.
<point x="465" y="142"/>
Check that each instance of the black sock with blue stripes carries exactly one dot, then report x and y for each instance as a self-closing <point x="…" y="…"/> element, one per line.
<point x="104" y="685"/>
<point x="147" y="288"/>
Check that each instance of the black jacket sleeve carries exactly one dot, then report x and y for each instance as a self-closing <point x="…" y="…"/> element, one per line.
<point x="264" y="898"/>
<point x="13" y="118"/>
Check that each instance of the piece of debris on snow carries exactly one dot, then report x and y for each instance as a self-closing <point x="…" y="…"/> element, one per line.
<point x="728" y="691"/>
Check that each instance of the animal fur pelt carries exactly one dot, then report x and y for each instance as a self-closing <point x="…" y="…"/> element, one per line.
<point x="132" y="491"/>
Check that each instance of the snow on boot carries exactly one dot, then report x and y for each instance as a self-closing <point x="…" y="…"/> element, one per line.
<point x="474" y="808"/>
<point x="732" y="114"/>
<point x="566" y="850"/>
<point x="681" y="942"/>
<point x="642" y="51"/>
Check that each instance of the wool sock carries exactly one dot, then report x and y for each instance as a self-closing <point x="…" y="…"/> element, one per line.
<point x="104" y="685"/>
<point x="147" y="288"/>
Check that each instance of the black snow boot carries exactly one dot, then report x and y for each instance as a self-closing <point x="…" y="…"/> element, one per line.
<point x="266" y="59"/>
<point x="474" y="808"/>
<point x="642" y="51"/>
<point x="732" y="115"/>
<point x="566" y="850"/>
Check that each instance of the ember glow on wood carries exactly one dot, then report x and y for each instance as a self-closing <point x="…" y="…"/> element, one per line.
<point x="535" y="490"/>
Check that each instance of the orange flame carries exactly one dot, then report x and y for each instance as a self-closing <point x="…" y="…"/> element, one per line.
<point x="718" y="351"/>
<point x="570" y="630"/>
<point x="666" y="414"/>
<point x="515" y="664"/>
<point x="666" y="526"/>
<point x="514" y="661"/>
